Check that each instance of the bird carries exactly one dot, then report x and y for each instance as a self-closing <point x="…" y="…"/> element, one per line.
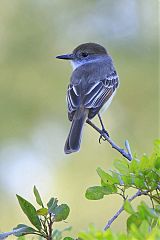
<point x="92" y="86"/>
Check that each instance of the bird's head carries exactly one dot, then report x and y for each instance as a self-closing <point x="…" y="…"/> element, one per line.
<point x="85" y="53"/>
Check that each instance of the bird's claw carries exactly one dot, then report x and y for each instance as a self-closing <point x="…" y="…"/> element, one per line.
<point x="101" y="138"/>
<point x="102" y="135"/>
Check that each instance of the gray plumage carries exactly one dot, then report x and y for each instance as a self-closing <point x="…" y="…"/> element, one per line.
<point x="92" y="85"/>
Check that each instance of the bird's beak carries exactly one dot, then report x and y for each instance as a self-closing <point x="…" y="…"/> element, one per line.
<point x="66" y="56"/>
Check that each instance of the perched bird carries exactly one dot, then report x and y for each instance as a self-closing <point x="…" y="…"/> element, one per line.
<point x="92" y="85"/>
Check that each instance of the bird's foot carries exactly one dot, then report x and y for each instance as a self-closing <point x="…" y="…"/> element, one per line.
<point x="104" y="132"/>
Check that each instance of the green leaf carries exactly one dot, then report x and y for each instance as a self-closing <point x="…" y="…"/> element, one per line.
<point x="144" y="228"/>
<point x="68" y="238"/>
<point x="133" y="219"/>
<point x="145" y="212"/>
<point x="94" y="193"/>
<point x="22" y="238"/>
<point x="157" y="209"/>
<point x="42" y="211"/>
<point x="61" y="212"/>
<point x="157" y="147"/>
<point x="134" y="166"/>
<point x="98" y="192"/>
<point x="128" y="207"/>
<point x="30" y="212"/>
<point x="122" y="166"/>
<point x="127" y="180"/>
<point x="37" y="196"/>
<point x="144" y="163"/>
<point x="23" y="229"/>
<point x="105" y="177"/>
<point x="157" y="172"/>
<point x="94" y="234"/>
<point x="18" y="231"/>
<point x="56" y="234"/>
<point x="157" y="163"/>
<point x="52" y="204"/>
<point x="152" y="176"/>
<point x="139" y="182"/>
<point x="117" y="178"/>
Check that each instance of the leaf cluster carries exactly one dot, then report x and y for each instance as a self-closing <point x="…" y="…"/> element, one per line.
<point x="42" y="218"/>
<point x="135" y="234"/>
<point x="140" y="174"/>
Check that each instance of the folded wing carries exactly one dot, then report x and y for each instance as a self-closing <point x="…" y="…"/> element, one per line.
<point x="93" y="97"/>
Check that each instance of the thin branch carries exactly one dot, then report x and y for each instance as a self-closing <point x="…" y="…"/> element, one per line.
<point x="127" y="154"/>
<point x="137" y="194"/>
<point x="50" y="223"/>
<point x="44" y="227"/>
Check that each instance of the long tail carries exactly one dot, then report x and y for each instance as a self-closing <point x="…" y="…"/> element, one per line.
<point x="74" y="137"/>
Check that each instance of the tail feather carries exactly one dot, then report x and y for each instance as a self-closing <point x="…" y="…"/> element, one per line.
<point x="74" y="137"/>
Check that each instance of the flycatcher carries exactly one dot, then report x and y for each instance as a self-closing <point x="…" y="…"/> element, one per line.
<point x="92" y="86"/>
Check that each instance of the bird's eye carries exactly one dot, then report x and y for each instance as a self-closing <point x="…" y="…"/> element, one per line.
<point x="84" y="54"/>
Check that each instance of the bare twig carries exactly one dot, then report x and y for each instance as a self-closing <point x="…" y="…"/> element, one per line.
<point x="137" y="194"/>
<point x="127" y="154"/>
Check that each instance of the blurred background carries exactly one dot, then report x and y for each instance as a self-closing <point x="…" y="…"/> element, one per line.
<point x="33" y="114"/>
